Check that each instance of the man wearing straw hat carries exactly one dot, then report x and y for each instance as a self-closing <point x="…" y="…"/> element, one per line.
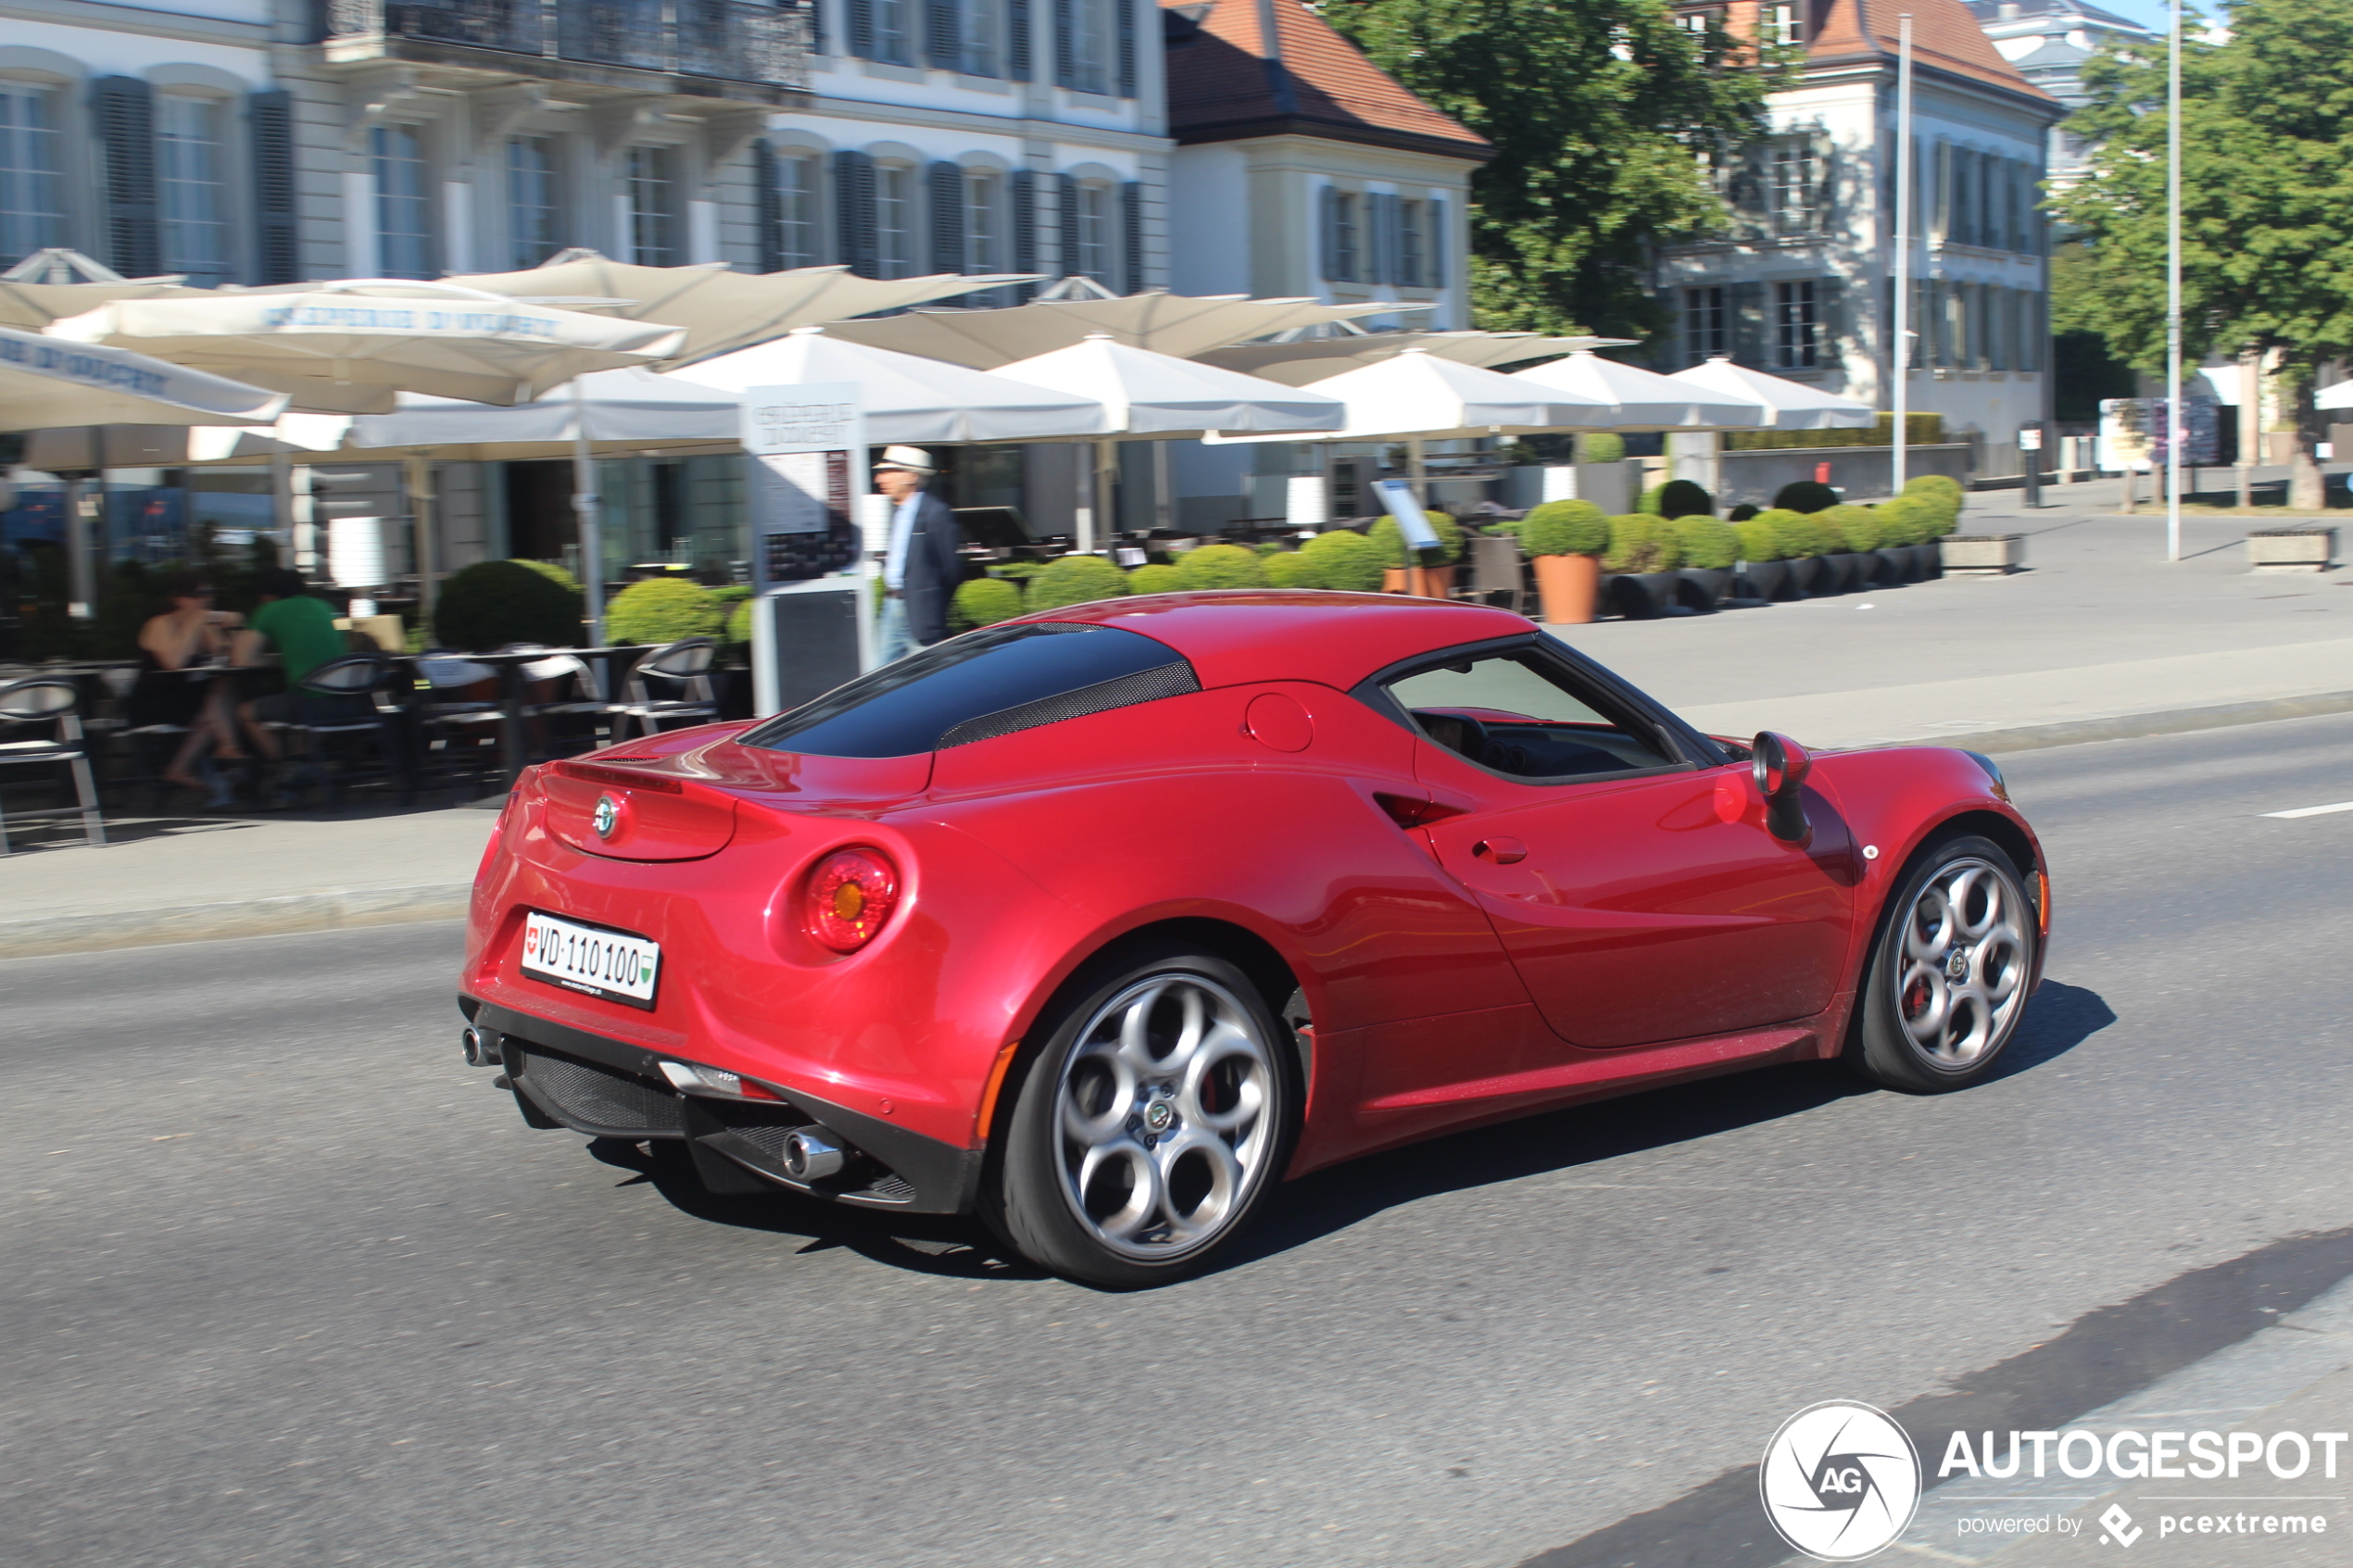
<point x="920" y="569"/>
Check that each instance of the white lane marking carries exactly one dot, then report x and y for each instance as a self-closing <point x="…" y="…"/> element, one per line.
<point x="2313" y="810"/>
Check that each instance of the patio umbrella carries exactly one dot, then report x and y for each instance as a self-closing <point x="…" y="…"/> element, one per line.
<point x="719" y="309"/>
<point x="1417" y="395"/>
<point x="1789" y="405"/>
<point x="350" y="346"/>
<point x="1181" y="325"/>
<point x="46" y="383"/>
<point x="906" y="398"/>
<point x="1155" y="394"/>
<point x="1306" y="360"/>
<point x="1646" y="401"/>
<point x="56" y="282"/>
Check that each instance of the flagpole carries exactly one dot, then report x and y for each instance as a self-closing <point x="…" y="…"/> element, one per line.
<point x="2173" y="430"/>
<point x="1899" y="352"/>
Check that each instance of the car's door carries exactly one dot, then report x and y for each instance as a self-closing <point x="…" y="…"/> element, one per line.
<point x="1627" y="868"/>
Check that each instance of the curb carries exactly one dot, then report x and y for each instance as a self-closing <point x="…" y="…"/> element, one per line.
<point x="2131" y="726"/>
<point x="52" y="934"/>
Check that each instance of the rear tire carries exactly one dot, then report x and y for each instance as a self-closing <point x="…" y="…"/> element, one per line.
<point x="1948" y="981"/>
<point x="1149" y="1127"/>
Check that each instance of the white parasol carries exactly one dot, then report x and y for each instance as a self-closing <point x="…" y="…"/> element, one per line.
<point x="1644" y="400"/>
<point x="1181" y="325"/>
<point x="46" y="383"/>
<point x="1788" y="405"/>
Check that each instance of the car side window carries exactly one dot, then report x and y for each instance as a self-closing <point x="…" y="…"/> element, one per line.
<point x="1518" y="713"/>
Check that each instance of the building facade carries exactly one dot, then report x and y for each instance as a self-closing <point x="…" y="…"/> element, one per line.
<point x="2049" y="40"/>
<point x="1803" y="283"/>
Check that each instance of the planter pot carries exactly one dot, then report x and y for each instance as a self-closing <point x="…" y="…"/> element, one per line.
<point x="1569" y="588"/>
<point x="1440" y="580"/>
<point x="1762" y="580"/>
<point x="1897" y="564"/>
<point x="1803" y="573"/>
<point x="1392" y="579"/>
<point x="1986" y="554"/>
<point x="1859" y="569"/>
<point x="1639" y="596"/>
<point x="1702" y="587"/>
<point x="2290" y="550"/>
<point x="1927" y="561"/>
<point x="1829" y="577"/>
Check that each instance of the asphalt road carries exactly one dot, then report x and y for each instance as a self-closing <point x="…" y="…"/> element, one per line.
<point x="286" y="1283"/>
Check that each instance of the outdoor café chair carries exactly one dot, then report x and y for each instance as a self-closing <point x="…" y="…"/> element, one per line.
<point x="459" y="718"/>
<point x="558" y="692"/>
<point x="54" y="701"/>
<point x="1496" y="569"/>
<point x="670" y="682"/>
<point x="329" y="721"/>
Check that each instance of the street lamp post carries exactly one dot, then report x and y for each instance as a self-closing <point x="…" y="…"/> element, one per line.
<point x="1899" y="351"/>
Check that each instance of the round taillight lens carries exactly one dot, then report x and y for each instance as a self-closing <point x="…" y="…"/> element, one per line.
<point x="850" y="895"/>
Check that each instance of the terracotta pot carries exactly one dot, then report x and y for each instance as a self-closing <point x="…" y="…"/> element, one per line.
<point x="1570" y="589"/>
<point x="1439" y="581"/>
<point x="1392" y="579"/>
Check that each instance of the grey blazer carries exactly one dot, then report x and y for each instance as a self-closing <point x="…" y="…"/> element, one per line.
<point x="933" y="569"/>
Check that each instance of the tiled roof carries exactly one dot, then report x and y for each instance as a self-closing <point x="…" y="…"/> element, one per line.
<point x="1225" y="82"/>
<point x="1944" y="37"/>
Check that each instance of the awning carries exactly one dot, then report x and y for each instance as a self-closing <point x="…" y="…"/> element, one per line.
<point x="48" y="383"/>
<point x="1415" y="393"/>
<point x="1644" y="401"/>
<point x="1179" y="325"/>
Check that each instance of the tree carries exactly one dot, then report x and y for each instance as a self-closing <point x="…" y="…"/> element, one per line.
<point x="2267" y="179"/>
<point x="1600" y="110"/>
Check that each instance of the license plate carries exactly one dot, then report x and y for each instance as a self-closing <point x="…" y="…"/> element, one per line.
<point x="609" y="964"/>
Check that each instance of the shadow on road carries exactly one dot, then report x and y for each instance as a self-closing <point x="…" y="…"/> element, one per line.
<point x="2060" y="1017"/>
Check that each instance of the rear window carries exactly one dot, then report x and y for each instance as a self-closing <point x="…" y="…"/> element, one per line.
<point x="985" y="683"/>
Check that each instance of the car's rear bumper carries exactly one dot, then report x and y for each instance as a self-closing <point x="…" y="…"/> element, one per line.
<point x="567" y="1076"/>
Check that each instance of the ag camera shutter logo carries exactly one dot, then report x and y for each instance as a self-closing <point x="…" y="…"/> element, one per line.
<point x="1839" y="1481"/>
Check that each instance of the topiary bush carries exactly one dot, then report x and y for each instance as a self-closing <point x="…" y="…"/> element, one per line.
<point x="1937" y="484"/>
<point x="1155" y="580"/>
<point x="1794" y="534"/>
<point x="1705" y="541"/>
<point x="1648" y="500"/>
<point x="984" y="601"/>
<point x="1859" y="528"/>
<point x="1219" y="566"/>
<point x="740" y="623"/>
<point x="1680" y="497"/>
<point x="1565" y="527"/>
<point x="1743" y="512"/>
<point x="491" y="603"/>
<point x="1270" y="548"/>
<point x="1804" y="495"/>
<point x="555" y="574"/>
<point x="1600" y="447"/>
<point x="1293" y="569"/>
<point x="1639" y="542"/>
<point x="1940" y="499"/>
<point x="1074" y="580"/>
<point x="1830" y="539"/>
<point x="662" y="609"/>
<point x="1900" y="520"/>
<point x="1758" y="539"/>
<point x="1350" y="562"/>
<point x="1390" y="540"/>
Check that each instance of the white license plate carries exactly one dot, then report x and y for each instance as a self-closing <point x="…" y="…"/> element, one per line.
<point x="594" y="963"/>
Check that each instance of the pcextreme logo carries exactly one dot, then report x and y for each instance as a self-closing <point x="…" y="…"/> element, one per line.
<point x="1839" y="1481"/>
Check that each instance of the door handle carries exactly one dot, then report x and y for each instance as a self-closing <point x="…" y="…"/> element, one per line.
<point x="1503" y="851"/>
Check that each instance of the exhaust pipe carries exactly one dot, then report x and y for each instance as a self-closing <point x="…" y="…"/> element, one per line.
<point x="812" y="1154"/>
<point x="484" y="1048"/>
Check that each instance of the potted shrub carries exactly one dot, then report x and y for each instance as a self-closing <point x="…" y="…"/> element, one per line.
<point x="1743" y="512"/>
<point x="1676" y="497"/>
<point x="1800" y="542"/>
<point x="1859" y="539"/>
<point x="1396" y="558"/>
<point x="1708" y="548"/>
<point x="1940" y="499"/>
<point x="1350" y="562"/>
<point x="1293" y="569"/>
<point x="984" y="601"/>
<point x="2291" y="550"/>
<point x="1155" y="580"/>
<point x="1762" y="573"/>
<point x="491" y="603"/>
<point x="1219" y="566"/>
<point x="664" y="610"/>
<point x="1565" y="540"/>
<point x="1074" y="580"/>
<point x="1643" y="554"/>
<point x="1904" y="523"/>
<point x="1804" y="495"/>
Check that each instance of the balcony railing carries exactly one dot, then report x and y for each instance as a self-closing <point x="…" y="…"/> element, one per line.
<point x="732" y="40"/>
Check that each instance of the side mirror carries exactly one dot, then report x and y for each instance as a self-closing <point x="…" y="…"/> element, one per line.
<point x="1781" y="766"/>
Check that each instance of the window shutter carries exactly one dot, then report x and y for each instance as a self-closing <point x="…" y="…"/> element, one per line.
<point x="1131" y="236"/>
<point x="854" y="208"/>
<point x="1066" y="211"/>
<point x="1328" y="223"/>
<point x="1752" y="334"/>
<point x="1025" y="224"/>
<point x="861" y="27"/>
<point x="947" y="217"/>
<point x="772" y="205"/>
<point x="1065" y="66"/>
<point x="125" y="107"/>
<point x="1434" y="247"/>
<point x="1017" y="67"/>
<point x="1830" y="316"/>
<point x="1126" y="11"/>
<point x="1372" y="252"/>
<point x="942" y="38"/>
<point x="816" y="11"/>
<point x="269" y="127"/>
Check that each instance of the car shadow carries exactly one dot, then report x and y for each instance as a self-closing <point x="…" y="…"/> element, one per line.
<point x="2060" y="1017"/>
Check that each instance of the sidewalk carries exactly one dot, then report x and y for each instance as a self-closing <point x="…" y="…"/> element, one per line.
<point x="2100" y="638"/>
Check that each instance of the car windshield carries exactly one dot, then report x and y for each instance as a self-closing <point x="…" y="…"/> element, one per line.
<point x="982" y="685"/>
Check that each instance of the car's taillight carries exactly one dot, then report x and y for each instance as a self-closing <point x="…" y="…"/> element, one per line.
<point x="850" y="895"/>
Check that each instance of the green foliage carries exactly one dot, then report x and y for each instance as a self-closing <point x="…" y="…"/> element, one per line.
<point x="1219" y="566"/>
<point x="1758" y="539"/>
<point x="1349" y="561"/>
<point x="1680" y="497"/>
<point x="556" y="574"/>
<point x="1859" y="528"/>
<point x="1642" y="542"/>
<point x="738" y="625"/>
<point x="1804" y="495"/>
<point x="1794" y="534"/>
<point x="1155" y="580"/>
<point x="1902" y="520"/>
<point x="1596" y="109"/>
<point x="1293" y="569"/>
<point x="1743" y="512"/>
<point x="1565" y="527"/>
<point x="1649" y="500"/>
<point x="1921" y="430"/>
<point x="1600" y="447"/>
<point x="1391" y="539"/>
<point x="1074" y="580"/>
<point x="491" y="603"/>
<point x="1705" y="541"/>
<point x="1940" y="499"/>
<point x="1271" y="547"/>
<point x="984" y="601"/>
<point x="662" y="609"/>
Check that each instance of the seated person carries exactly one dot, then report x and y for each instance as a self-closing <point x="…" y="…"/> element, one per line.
<point x="300" y="631"/>
<point x="173" y="647"/>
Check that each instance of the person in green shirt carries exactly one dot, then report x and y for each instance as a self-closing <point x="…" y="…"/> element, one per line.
<point x="300" y="632"/>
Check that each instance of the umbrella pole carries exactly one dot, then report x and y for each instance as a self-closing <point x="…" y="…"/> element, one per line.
<point x="424" y="518"/>
<point x="282" y="502"/>
<point x="82" y="582"/>
<point x="583" y="504"/>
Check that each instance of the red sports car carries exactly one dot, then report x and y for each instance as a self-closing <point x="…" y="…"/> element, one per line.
<point x="1099" y="921"/>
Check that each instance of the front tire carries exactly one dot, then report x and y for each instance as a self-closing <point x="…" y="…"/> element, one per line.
<point x="1947" y="980"/>
<point x="1149" y="1126"/>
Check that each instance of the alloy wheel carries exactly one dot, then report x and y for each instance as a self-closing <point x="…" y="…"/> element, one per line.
<point x="1962" y="980"/>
